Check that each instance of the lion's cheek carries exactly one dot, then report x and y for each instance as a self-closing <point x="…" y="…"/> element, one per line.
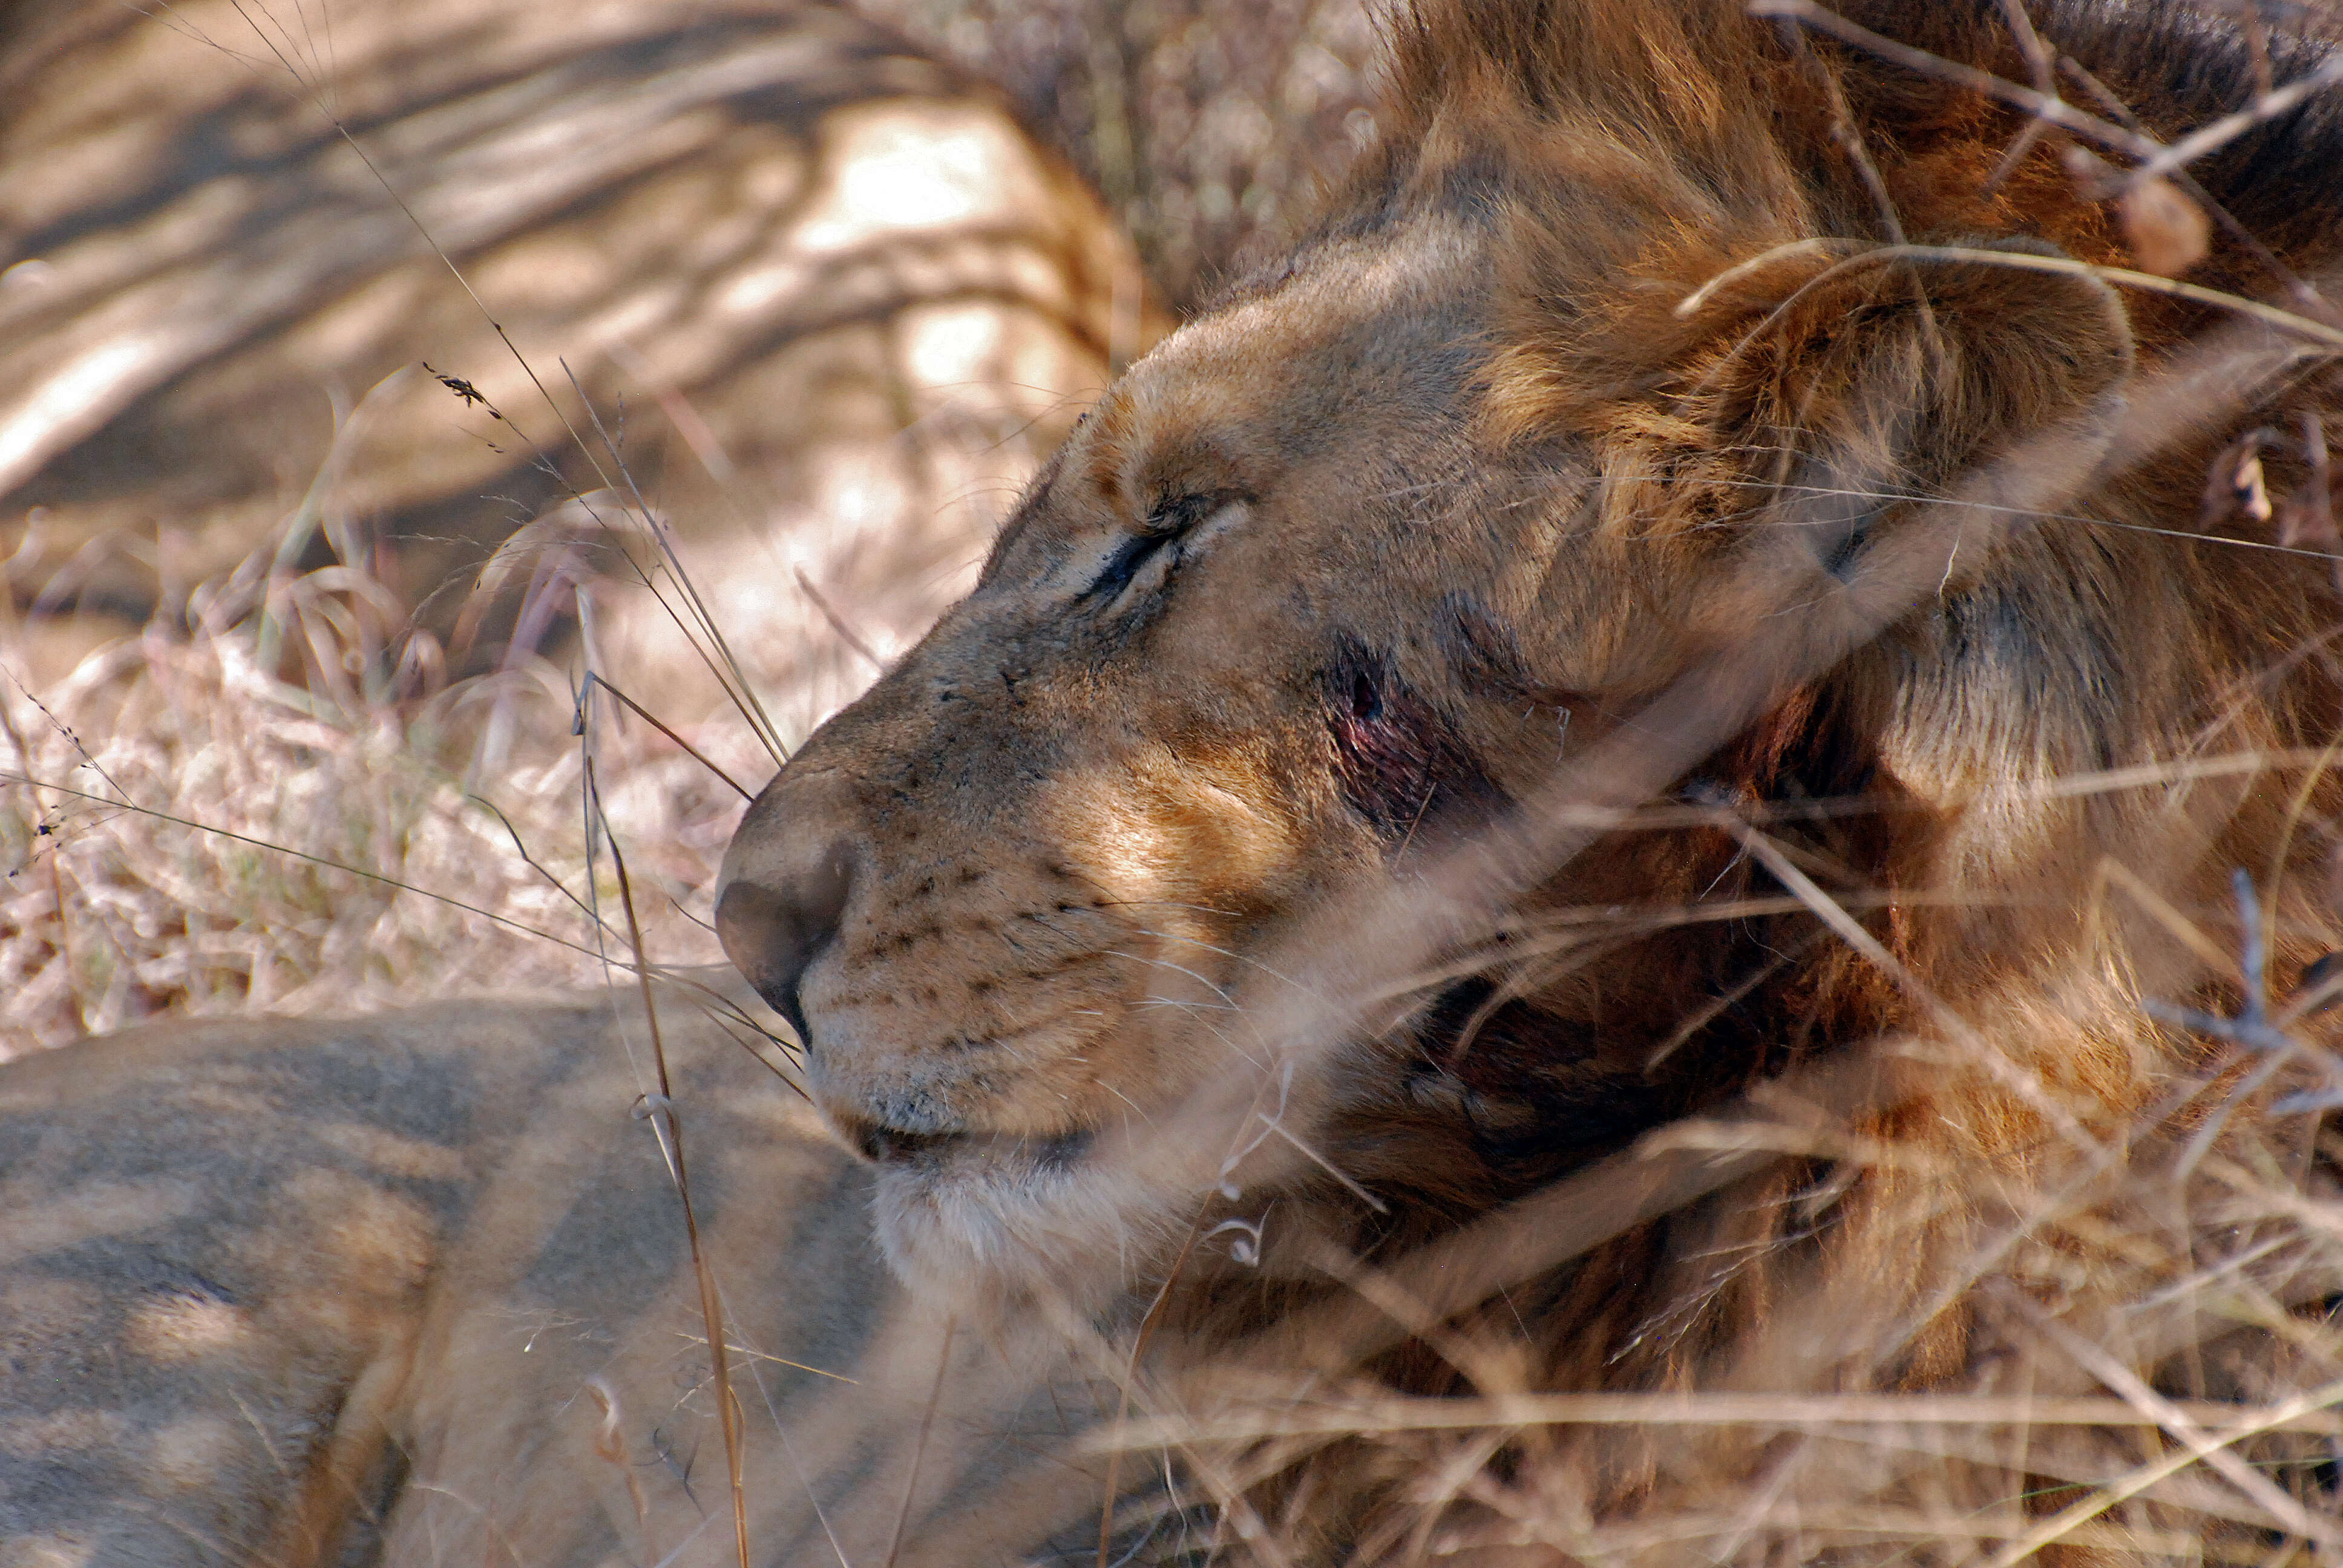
<point x="1197" y="852"/>
<point x="1200" y="833"/>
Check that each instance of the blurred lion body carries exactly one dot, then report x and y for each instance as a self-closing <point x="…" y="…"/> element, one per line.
<point x="292" y="1292"/>
<point x="759" y="265"/>
<point x="1657" y="628"/>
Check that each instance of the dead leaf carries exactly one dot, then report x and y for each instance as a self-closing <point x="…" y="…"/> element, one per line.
<point x="2233" y="482"/>
<point x="2168" y="233"/>
<point x="2252" y="493"/>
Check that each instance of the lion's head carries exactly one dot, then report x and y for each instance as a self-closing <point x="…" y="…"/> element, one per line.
<point x="1671" y="408"/>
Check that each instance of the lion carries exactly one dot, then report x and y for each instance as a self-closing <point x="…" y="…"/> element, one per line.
<point x="422" y="1287"/>
<point x="1645" y="767"/>
<point x="1695" y="580"/>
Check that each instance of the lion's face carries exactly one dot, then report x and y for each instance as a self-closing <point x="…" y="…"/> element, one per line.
<point x="1012" y="894"/>
<point x="1006" y="893"/>
<point x="1337" y="575"/>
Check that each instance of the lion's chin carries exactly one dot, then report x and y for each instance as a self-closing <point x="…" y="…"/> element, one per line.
<point x="1008" y="1220"/>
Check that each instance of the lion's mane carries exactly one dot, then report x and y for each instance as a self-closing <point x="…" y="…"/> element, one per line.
<point x="2058" y="799"/>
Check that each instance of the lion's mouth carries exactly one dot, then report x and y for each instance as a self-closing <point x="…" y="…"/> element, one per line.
<point x="893" y="1146"/>
<point x="899" y="1148"/>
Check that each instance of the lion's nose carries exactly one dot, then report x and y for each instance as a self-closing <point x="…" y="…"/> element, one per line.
<point x="786" y="876"/>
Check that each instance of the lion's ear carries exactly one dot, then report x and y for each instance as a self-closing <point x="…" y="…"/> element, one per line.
<point x="1811" y="379"/>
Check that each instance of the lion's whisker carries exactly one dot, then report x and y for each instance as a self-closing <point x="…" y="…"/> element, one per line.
<point x="1249" y="959"/>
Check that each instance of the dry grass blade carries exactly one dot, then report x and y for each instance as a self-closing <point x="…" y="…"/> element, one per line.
<point x="291" y="853"/>
<point x="610" y="1446"/>
<point x="2046" y="106"/>
<point x="1987" y="1054"/>
<point x="664" y="1120"/>
<point x="2320" y="332"/>
<point x="846" y="634"/>
<point x="701" y="632"/>
<point x="920" y="1448"/>
<point x="1333" y="1414"/>
<point x="2207" y="138"/>
<point x="2067" y="1520"/>
<point x="594" y="679"/>
<point x="2044" y="68"/>
<point x="2128" y="1385"/>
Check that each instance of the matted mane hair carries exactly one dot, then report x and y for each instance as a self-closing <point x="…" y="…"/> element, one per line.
<point x="1741" y="262"/>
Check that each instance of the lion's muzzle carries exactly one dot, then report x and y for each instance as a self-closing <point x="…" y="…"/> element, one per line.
<point x="801" y="871"/>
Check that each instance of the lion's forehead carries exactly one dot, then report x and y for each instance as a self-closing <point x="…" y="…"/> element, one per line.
<point x="1279" y="366"/>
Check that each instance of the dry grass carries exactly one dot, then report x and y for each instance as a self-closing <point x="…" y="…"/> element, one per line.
<point x="185" y="830"/>
<point x="1206" y="124"/>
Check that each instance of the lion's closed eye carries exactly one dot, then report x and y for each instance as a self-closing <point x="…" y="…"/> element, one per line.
<point x="1160" y="539"/>
<point x="1124" y="564"/>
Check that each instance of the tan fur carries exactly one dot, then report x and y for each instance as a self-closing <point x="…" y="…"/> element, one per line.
<point x="416" y="1288"/>
<point x="279" y="1292"/>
